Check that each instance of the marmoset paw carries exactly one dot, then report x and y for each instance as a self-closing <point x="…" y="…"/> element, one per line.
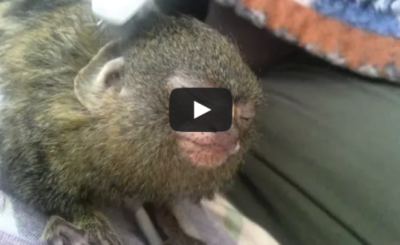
<point x="60" y="232"/>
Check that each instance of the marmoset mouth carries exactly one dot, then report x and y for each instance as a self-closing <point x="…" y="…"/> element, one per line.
<point x="207" y="155"/>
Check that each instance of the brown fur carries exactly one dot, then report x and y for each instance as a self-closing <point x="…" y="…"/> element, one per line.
<point x="67" y="160"/>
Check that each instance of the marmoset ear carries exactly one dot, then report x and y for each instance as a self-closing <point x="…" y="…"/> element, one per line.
<point x="97" y="76"/>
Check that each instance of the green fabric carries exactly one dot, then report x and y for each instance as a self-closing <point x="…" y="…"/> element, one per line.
<point x="326" y="168"/>
<point x="233" y="223"/>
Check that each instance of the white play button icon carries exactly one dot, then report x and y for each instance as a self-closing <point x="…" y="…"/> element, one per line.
<point x="200" y="109"/>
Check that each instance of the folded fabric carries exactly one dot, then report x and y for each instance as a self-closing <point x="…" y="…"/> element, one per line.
<point x="23" y="225"/>
<point x="242" y="230"/>
<point x="361" y="35"/>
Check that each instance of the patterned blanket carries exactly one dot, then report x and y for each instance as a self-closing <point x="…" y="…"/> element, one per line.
<point x="362" y="35"/>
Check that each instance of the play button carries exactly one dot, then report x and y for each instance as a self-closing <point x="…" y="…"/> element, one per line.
<point x="200" y="109"/>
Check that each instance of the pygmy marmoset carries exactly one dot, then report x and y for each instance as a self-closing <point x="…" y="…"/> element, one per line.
<point x="84" y="116"/>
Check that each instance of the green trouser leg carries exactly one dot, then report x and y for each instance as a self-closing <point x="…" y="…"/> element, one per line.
<point x="326" y="168"/>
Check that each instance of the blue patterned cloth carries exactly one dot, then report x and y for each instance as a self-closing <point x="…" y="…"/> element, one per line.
<point x="379" y="16"/>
